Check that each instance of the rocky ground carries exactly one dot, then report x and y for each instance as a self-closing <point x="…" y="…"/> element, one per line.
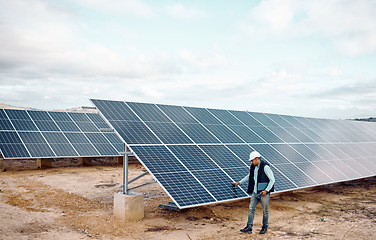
<point x="72" y="202"/>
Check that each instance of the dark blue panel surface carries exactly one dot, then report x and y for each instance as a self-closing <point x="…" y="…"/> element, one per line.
<point x="60" y="116"/>
<point x="81" y="144"/>
<point x="39" y="115"/>
<point x="42" y="134"/>
<point x="4" y="121"/>
<point x="115" y="110"/>
<point x="224" y="134"/>
<point x="11" y="145"/>
<point x="158" y="159"/>
<point x="177" y="114"/>
<point x="225" y="117"/>
<point x="269" y="153"/>
<point x="148" y="112"/>
<point x="198" y="133"/>
<point x="219" y="184"/>
<point x="43" y="121"/>
<point x="280" y="120"/>
<point x="168" y="133"/>
<point x="59" y="144"/>
<point x="246" y="118"/>
<point x="299" y="134"/>
<point x="222" y="156"/>
<point x="264" y="119"/>
<point x="238" y="174"/>
<point x="242" y="151"/>
<point x="193" y="157"/>
<point x="36" y="144"/>
<point x="115" y="140"/>
<point x="266" y="134"/>
<point x="296" y="123"/>
<point x="83" y="122"/>
<point x="135" y="132"/>
<point x="99" y="122"/>
<point x="103" y="146"/>
<point x="283" y="134"/>
<point x="202" y="115"/>
<point x="17" y="114"/>
<point x="47" y="126"/>
<point x="2" y="114"/>
<point x="282" y="183"/>
<point x="295" y="175"/>
<point x="245" y="133"/>
<point x="5" y="125"/>
<point x="184" y="188"/>
<point x="64" y="122"/>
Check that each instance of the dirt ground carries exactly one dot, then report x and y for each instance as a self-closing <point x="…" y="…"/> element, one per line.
<point x="72" y="202"/>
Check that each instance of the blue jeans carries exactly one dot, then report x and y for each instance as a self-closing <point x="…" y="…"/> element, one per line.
<point x="255" y="199"/>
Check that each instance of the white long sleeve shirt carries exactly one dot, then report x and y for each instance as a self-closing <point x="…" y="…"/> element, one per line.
<point x="268" y="173"/>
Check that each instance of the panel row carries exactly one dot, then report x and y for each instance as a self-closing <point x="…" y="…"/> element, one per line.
<point x="36" y="134"/>
<point x="195" y="153"/>
<point x="210" y="169"/>
<point x="161" y="124"/>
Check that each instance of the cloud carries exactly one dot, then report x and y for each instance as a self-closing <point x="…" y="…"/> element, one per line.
<point x="202" y="61"/>
<point x="348" y="25"/>
<point x="180" y="11"/>
<point x="120" y="7"/>
<point x="353" y="91"/>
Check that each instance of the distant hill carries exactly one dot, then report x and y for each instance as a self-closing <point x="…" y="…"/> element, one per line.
<point x="2" y="105"/>
<point x="77" y="109"/>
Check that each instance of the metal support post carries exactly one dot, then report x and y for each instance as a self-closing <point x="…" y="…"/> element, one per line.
<point x="125" y="169"/>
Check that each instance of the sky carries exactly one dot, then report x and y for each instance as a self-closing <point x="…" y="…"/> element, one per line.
<point x="294" y="57"/>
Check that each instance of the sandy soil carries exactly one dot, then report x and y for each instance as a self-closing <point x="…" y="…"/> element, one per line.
<point x="77" y="203"/>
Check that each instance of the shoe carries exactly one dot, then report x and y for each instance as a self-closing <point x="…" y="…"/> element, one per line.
<point x="246" y="230"/>
<point x="263" y="230"/>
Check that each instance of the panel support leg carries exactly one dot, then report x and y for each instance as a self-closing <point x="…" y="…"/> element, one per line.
<point x="2" y="164"/>
<point x="84" y="161"/>
<point x="43" y="163"/>
<point x="118" y="160"/>
<point x="128" y="206"/>
<point x="125" y="169"/>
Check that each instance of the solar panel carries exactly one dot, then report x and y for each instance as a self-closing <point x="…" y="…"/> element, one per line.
<point x="195" y="153"/>
<point x="48" y="134"/>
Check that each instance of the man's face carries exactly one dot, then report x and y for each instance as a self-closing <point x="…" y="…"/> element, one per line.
<point x="255" y="161"/>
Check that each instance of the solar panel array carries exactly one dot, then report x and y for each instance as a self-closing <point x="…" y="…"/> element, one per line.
<point x="195" y="153"/>
<point x="49" y="134"/>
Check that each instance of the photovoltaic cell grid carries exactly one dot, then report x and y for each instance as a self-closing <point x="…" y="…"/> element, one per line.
<point x="195" y="153"/>
<point x="47" y="134"/>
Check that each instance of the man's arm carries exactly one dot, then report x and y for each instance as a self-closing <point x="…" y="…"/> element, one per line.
<point x="244" y="180"/>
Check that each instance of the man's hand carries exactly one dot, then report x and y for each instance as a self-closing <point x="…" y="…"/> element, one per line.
<point x="263" y="192"/>
<point x="235" y="183"/>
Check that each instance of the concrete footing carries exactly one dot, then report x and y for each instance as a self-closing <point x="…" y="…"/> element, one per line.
<point x="84" y="161"/>
<point x="43" y="163"/>
<point x="129" y="207"/>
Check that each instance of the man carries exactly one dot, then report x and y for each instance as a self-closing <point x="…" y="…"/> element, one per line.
<point x="260" y="184"/>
